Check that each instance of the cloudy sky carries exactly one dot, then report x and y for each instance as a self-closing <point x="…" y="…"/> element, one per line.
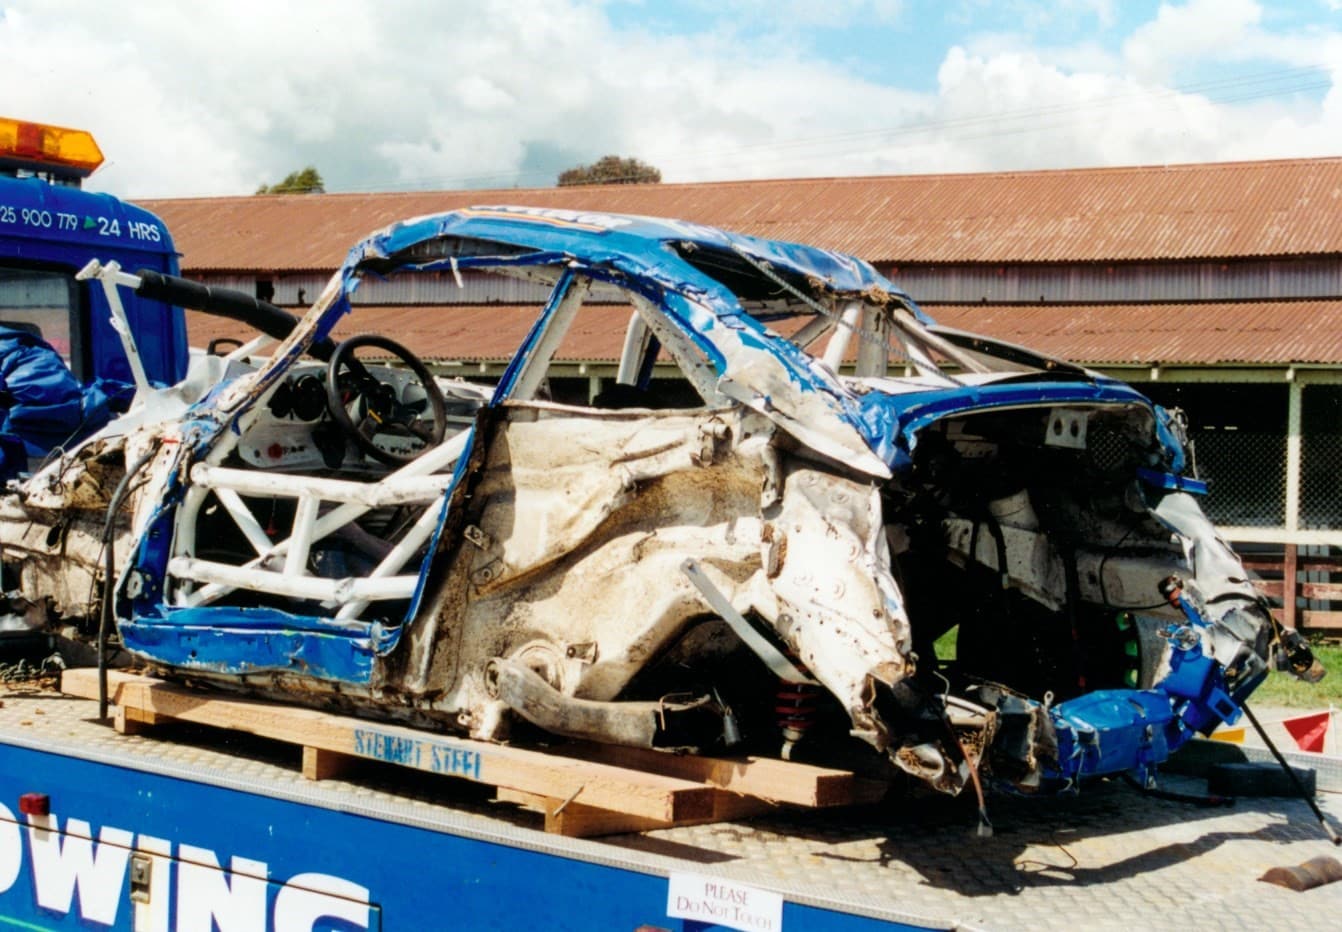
<point x="207" y="97"/>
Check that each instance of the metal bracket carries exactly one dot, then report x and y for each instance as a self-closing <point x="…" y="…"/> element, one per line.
<point x="1066" y="428"/>
<point x="773" y="658"/>
<point x="141" y="877"/>
<point x="110" y="275"/>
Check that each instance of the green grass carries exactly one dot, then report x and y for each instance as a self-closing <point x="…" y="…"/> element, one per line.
<point x="1279" y="689"/>
<point x="945" y="645"/>
<point x="1282" y="689"/>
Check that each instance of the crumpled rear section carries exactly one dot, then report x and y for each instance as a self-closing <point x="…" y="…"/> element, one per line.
<point x="1095" y="609"/>
<point x="577" y="573"/>
<point x="837" y="606"/>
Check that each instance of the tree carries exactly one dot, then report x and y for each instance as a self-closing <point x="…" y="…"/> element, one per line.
<point x="611" y="169"/>
<point x="305" y="181"/>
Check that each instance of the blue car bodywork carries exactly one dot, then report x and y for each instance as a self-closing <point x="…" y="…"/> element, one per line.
<point x="641" y="574"/>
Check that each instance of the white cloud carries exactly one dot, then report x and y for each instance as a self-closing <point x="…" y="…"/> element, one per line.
<point x="216" y="98"/>
<point x="1197" y="30"/>
<point x="1032" y="16"/>
<point x="213" y="98"/>
<point x="791" y="14"/>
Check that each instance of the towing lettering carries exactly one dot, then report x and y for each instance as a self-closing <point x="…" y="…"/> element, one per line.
<point x="72" y="871"/>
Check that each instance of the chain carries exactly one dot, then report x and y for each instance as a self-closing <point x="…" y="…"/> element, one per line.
<point x="24" y="673"/>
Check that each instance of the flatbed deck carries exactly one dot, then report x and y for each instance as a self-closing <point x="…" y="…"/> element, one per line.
<point x="1110" y="857"/>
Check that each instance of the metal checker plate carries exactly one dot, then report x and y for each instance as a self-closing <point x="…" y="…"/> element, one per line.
<point x="1109" y="858"/>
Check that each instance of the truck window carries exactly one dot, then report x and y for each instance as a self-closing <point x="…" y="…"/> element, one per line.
<point x="42" y="303"/>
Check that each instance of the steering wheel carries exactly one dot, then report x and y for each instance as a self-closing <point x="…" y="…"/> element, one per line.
<point x="352" y="391"/>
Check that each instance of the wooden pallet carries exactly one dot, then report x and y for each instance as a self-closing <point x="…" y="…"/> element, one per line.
<point x="581" y="789"/>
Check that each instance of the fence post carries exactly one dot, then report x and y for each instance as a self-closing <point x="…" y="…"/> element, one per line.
<point x="1294" y="394"/>
<point x="1288" y="585"/>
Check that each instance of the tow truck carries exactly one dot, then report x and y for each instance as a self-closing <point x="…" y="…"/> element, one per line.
<point x="49" y="229"/>
<point x="191" y="828"/>
<point x="294" y="818"/>
<point x="64" y="368"/>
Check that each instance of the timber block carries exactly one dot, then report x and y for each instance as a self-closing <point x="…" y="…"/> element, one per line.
<point x="130" y="721"/>
<point x="319" y="764"/>
<point x="575" y="820"/>
<point x="766" y="778"/>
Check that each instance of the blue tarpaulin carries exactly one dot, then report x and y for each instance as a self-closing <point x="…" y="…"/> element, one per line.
<point x="42" y="404"/>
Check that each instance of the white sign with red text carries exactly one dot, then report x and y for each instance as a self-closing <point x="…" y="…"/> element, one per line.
<point x="724" y="902"/>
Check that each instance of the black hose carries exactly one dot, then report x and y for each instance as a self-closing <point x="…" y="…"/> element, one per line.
<point x="225" y="302"/>
<point x="1193" y="799"/>
<point x="109" y="572"/>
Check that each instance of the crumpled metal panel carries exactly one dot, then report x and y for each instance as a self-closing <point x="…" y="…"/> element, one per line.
<point x="771" y="376"/>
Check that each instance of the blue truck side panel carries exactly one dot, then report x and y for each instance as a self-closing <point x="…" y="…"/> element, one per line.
<point x="47" y="226"/>
<point x="283" y="865"/>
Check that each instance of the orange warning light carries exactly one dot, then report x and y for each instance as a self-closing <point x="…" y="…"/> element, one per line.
<point x="38" y="147"/>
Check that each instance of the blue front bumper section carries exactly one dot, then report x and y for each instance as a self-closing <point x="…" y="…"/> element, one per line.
<point x="1134" y="730"/>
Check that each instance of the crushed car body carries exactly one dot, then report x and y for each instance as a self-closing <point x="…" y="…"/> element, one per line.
<point x="765" y="568"/>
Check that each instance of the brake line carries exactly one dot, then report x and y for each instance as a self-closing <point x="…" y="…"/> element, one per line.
<point x="109" y="574"/>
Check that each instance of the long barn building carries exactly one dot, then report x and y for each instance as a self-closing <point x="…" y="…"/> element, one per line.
<point x="1217" y="287"/>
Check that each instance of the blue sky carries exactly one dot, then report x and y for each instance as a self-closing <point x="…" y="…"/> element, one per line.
<point x="218" y="97"/>
<point x="904" y="43"/>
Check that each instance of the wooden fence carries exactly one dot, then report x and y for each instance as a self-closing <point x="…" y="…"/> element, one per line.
<point x="1302" y="588"/>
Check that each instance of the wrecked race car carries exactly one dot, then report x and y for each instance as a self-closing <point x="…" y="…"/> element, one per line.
<point x="764" y="567"/>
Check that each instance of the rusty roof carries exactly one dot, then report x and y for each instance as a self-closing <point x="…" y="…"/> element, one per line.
<point x="1177" y="212"/>
<point x="1213" y="333"/>
<point x="1205" y="333"/>
<point x="462" y="332"/>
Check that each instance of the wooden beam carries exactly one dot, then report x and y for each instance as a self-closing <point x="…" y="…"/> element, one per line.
<point x="1324" y="592"/>
<point x="1321" y="621"/>
<point x="1269" y="588"/>
<point x="1320" y="564"/>
<point x="323" y="765"/>
<point x="650" y="795"/>
<point x="764" y="777"/>
<point x="574" y="820"/>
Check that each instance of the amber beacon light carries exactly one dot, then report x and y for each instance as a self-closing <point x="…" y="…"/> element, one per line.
<point x="43" y="148"/>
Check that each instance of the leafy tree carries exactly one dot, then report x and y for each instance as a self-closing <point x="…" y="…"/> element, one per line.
<point x="304" y="181"/>
<point x="611" y="169"/>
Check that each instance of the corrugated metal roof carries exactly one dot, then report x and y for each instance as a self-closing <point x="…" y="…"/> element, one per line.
<point x="1225" y="333"/>
<point x="1204" y="334"/>
<point x="465" y="332"/>
<point x="1180" y="212"/>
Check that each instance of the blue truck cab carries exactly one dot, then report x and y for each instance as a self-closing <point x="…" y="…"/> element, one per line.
<point x="49" y="229"/>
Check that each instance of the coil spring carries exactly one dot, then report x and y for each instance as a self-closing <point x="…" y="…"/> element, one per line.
<point x="795" y="707"/>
